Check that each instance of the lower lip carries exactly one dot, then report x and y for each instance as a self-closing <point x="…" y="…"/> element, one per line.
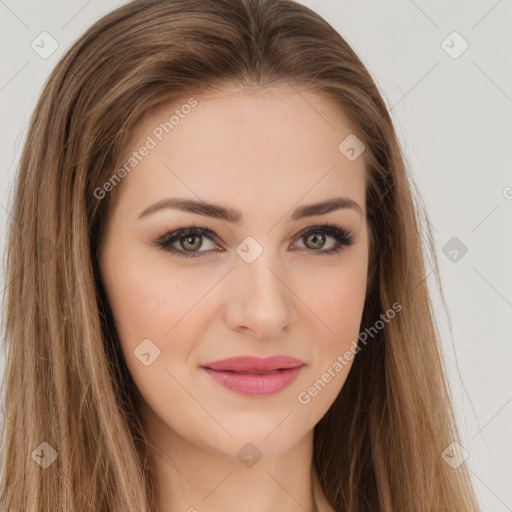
<point x="252" y="384"/>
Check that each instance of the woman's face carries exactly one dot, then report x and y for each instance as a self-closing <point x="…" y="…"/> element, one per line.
<point x="257" y="281"/>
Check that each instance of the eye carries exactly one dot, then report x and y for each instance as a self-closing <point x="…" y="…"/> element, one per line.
<point x="315" y="238"/>
<point x="189" y="240"/>
<point x="186" y="242"/>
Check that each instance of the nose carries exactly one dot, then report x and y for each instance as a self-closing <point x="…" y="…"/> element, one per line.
<point x="261" y="301"/>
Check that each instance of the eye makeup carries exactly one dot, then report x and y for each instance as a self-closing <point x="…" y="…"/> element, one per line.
<point x="342" y="237"/>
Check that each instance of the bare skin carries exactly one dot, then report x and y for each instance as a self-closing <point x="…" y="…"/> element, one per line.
<point x="264" y="154"/>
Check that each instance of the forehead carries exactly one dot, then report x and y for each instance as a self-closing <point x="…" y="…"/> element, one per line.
<point x="255" y="151"/>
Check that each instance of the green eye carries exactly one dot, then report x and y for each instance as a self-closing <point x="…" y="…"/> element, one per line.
<point x="191" y="240"/>
<point x="316" y="237"/>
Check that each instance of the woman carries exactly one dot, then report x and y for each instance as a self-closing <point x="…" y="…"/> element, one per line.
<point x="217" y="294"/>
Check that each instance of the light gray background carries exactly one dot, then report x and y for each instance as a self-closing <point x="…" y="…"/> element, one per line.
<point x="454" y="119"/>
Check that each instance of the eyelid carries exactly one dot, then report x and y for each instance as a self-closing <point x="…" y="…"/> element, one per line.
<point x="165" y="241"/>
<point x="344" y="237"/>
<point x="331" y="229"/>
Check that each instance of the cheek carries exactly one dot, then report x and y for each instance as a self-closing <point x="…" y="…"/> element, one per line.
<point x="335" y="296"/>
<point x="162" y="310"/>
<point x="153" y="300"/>
<point x="345" y="305"/>
<point x="155" y="308"/>
<point x="338" y="305"/>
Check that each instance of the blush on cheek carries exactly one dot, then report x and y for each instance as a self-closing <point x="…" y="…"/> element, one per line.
<point x="339" y="304"/>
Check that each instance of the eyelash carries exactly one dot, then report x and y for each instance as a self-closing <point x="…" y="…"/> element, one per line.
<point x="343" y="237"/>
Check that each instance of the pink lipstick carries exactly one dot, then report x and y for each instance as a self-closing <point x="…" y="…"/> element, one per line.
<point x="255" y="376"/>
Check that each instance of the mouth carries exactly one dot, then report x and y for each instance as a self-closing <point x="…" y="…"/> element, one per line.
<point x="253" y="376"/>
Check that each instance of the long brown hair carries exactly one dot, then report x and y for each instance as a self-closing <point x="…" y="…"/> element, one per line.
<point x="379" y="446"/>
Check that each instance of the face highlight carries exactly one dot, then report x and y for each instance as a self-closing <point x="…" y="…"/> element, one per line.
<point x="241" y="233"/>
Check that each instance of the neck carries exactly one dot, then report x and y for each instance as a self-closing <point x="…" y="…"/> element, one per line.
<point x="193" y="478"/>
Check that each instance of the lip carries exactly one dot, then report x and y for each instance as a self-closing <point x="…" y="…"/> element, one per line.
<point x="254" y="364"/>
<point x="255" y="376"/>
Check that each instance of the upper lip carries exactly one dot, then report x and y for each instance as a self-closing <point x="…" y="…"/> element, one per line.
<point x="254" y="364"/>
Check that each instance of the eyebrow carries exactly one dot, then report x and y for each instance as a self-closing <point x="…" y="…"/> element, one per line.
<point x="231" y="215"/>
